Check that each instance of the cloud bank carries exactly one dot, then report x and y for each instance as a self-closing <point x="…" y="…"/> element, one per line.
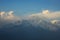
<point x="46" y="19"/>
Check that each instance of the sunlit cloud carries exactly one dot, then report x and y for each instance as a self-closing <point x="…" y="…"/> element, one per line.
<point x="56" y="22"/>
<point x="2" y="14"/>
<point x="46" y="19"/>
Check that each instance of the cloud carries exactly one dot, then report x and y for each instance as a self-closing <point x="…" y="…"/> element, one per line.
<point x="48" y="14"/>
<point x="2" y="14"/>
<point x="45" y="12"/>
<point x="8" y="17"/>
<point x="45" y="19"/>
<point x="56" y="22"/>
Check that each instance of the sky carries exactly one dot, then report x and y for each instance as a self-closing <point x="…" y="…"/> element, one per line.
<point x="26" y="7"/>
<point x="32" y="19"/>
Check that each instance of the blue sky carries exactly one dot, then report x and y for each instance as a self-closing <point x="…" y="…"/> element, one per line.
<point x="24" y="7"/>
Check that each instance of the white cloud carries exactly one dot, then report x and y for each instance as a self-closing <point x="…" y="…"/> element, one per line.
<point x="45" y="19"/>
<point x="48" y="14"/>
<point x="56" y="22"/>
<point x="2" y="14"/>
<point x="45" y="12"/>
<point x="9" y="17"/>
